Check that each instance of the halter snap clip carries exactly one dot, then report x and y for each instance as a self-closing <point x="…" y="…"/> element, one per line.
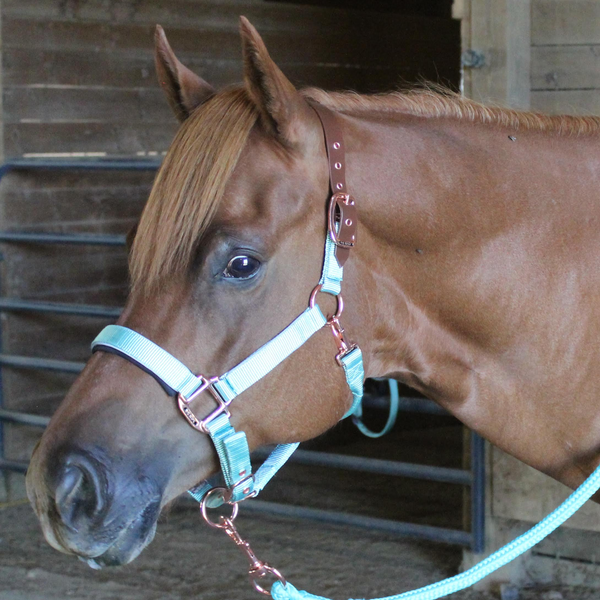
<point x="258" y="570"/>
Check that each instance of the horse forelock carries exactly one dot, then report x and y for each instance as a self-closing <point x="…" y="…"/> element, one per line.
<point x="190" y="186"/>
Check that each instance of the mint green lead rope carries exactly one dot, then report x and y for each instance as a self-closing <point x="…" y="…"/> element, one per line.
<point x="487" y="566"/>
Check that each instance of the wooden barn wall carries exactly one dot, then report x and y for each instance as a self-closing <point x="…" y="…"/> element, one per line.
<point x="565" y="56"/>
<point x="78" y="77"/>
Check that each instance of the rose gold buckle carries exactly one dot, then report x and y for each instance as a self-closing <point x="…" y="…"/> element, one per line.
<point x="342" y="210"/>
<point x="192" y="419"/>
<point x="339" y="335"/>
<point x="245" y="485"/>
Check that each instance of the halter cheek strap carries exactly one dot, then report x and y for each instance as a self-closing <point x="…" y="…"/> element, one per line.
<point x="177" y="380"/>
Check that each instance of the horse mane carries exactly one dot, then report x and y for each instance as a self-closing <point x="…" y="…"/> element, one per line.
<point x="435" y="101"/>
<point x="189" y="186"/>
<point x="191" y="181"/>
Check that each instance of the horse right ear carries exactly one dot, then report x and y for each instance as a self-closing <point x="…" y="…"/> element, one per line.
<point x="185" y="90"/>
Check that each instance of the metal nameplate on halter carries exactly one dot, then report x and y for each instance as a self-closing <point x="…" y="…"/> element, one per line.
<point x="191" y="418"/>
<point x="342" y="224"/>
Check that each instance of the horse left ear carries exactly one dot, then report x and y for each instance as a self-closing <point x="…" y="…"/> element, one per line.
<point x="184" y="89"/>
<point x="281" y="107"/>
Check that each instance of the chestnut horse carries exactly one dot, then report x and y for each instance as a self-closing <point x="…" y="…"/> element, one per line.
<point x="475" y="280"/>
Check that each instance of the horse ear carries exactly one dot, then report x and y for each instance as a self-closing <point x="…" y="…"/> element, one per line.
<point x="280" y="105"/>
<point x="185" y="90"/>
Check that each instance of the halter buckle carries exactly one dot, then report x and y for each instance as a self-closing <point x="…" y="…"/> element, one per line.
<point x="341" y="224"/>
<point x="222" y="405"/>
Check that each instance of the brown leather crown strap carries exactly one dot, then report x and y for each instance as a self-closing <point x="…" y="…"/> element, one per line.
<point x="342" y="208"/>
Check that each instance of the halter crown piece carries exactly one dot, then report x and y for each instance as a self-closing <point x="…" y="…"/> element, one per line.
<point x="180" y="382"/>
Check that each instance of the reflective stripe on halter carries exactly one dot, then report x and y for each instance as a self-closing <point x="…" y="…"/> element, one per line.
<point x="177" y="380"/>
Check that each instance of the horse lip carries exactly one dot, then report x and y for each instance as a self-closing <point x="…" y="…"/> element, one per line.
<point x="133" y="536"/>
<point x="122" y="550"/>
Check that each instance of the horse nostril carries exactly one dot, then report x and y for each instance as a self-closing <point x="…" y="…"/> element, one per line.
<point x="80" y="492"/>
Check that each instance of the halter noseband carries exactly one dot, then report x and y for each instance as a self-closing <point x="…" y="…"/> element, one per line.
<point x="177" y="380"/>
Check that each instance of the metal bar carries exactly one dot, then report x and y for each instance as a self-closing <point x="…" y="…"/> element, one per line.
<point x="89" y="164"/>
<point x="45" y="364"/>
<point x="13" y="465"/>
<point x="91" y="239"/>
<point x="406" y="404"/>
<point x="423" y="532"/>
<point x="84" y="310"/>
<point x="2" y="428"/>
<point x="11" y="416"/>
<point x="477" y="493"/>
<point x="374" y="465"/>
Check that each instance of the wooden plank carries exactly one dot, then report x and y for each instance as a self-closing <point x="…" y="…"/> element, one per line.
<point x="115" y="139"/>
<point x="370" y="45"/>
<point x="59" y="271"/>
<point x="71" y="209"/>
<point x="58" y="105"/>
<point x="565" y="67"/>
<point x="224" y="16"/>
<point x="521" y="492"/>
<point x="558" y="22"/>
<point x="107" y="68"/>
<point x="572" y="102"/>
<point x="121" y="70"/>
<point x="441" y="8"/>
<point x="64" y="337"/>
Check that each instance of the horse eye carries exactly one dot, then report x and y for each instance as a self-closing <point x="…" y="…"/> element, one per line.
<point x="242" y="267"/>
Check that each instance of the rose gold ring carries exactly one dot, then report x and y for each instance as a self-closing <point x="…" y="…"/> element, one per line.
<point x="339" y="300"/>
<point x="224" y="522"/>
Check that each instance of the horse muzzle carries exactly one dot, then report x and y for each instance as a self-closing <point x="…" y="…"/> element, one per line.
<point x="91" y="510"/>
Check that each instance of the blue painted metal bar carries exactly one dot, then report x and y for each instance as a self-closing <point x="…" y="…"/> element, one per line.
<point x="11" y="416"/>
<point x="374" y="465"/>
<point x="44" y="364"/>
<point x="478" y="493"/>
<point x="13" y="465"/>
<point x="86" y="239"/>
<point x="83" y="310"/>
<point x="406" y="404"/>
<point x="413" y="530"/>
<point x="86" y="164"/>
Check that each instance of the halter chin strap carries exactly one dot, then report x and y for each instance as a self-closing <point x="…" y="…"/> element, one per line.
<point x="177" y="380"/>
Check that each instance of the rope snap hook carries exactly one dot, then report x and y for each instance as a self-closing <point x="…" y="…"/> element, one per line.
<point x="258" y="569"/>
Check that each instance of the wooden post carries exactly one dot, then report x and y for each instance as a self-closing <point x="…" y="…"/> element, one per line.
<point x="501" y="31"/>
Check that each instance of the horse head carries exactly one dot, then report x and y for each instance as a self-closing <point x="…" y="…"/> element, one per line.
<point x="226" y="253"/>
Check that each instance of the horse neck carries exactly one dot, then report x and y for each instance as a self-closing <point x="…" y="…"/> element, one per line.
<point x="464" y="246"/>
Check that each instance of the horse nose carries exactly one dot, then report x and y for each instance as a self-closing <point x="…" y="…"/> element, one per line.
<point x="81" y="491"/>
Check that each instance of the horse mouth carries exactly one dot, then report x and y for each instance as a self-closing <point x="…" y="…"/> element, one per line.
<point x="127" y="547"/>
<point x="127" y="542"/>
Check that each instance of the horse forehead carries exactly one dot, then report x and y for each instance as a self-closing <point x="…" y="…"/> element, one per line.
<point x="265" y="181"/>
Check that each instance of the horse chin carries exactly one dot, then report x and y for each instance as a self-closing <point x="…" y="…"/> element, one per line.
<point x="127" y="548"/>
